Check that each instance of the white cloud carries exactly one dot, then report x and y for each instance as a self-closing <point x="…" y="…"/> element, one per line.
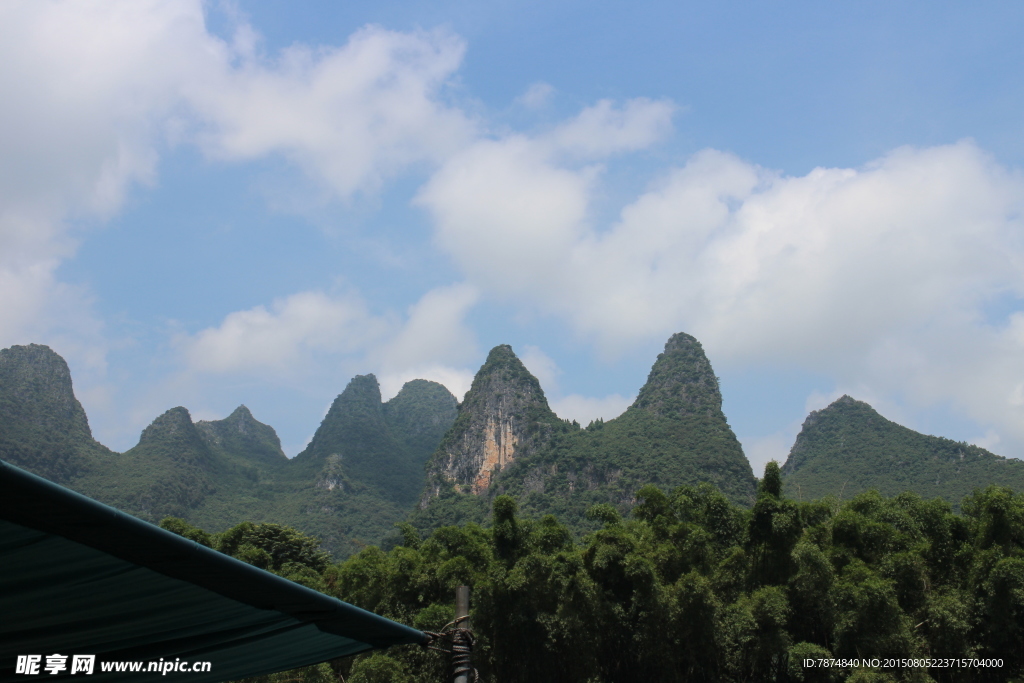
<point x="763" y="449"/>
<point x="85" y="87"/>
<point x="603" y="129"/>
<point x="285" y="337"/>
<point x="350" y="116"/>
<point x="313" y="332"/>
<point x="434" y="343"/>
<point x="434" y="331"/>
<point x="93" y="91"/>
<point x="456" y="380"/>
<point x="506" y="214"/>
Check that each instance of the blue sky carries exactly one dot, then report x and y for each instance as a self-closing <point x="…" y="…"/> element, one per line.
<point x="209" y="204"/>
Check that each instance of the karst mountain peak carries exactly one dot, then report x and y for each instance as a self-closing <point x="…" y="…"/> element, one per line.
<point x="681" y="381"/>
<point x="503" y="417"/>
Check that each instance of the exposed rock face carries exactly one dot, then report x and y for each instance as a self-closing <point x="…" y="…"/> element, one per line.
<point x="681" y="382"/>
<point x="504" y="417"/>
<point x="43" y="427"/>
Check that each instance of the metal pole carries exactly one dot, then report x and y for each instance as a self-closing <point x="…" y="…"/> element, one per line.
<point x="461" y="644"/>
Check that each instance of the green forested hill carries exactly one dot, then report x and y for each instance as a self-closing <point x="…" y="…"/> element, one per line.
<point x="43" y="427"/>
<point x="848" y="448"/>
<point x="243" y="439"/>
<point x="674" y="434"/>
<point x="364" y="468"/>
<point x="361" y="473"/>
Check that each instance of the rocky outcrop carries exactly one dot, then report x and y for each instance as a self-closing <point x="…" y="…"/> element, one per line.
<point x="504" y="417"/>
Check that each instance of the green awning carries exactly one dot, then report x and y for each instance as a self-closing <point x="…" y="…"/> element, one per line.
<point x="80" y="578"/>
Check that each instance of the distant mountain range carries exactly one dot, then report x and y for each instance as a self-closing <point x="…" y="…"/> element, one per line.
<point x="425" y="459"/>
<point x="361" y="473"/>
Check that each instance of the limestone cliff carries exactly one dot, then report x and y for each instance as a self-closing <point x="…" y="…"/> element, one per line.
<point x="504" y="417"/>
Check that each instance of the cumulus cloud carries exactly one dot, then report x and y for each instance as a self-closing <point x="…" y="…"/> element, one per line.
<point x="507" y="215"/>
<point x="84" y="90"/>
<point x="93" y="93"/>
<point x="280" y="339"/>
<point x="455" y="380"/>
<point x="604" y="129"/>
<point x="313" y="331"/>
<point x="350" y="116"/>
<point x="434" y="331"/>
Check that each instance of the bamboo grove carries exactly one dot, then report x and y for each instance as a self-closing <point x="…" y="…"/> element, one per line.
<point x="689" y="588"/>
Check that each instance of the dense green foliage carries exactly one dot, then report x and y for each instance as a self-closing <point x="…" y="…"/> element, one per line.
<point x="692" y="587"/>
<point x="273" y="547"/>
<point x="43" y="427"/>
<point x="848" y="448"/>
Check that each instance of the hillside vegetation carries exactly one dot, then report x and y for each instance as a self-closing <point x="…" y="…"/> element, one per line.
<point x="690" y="587"/>
<point x="848" y="448"/>
<point x="674" y="433"/>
